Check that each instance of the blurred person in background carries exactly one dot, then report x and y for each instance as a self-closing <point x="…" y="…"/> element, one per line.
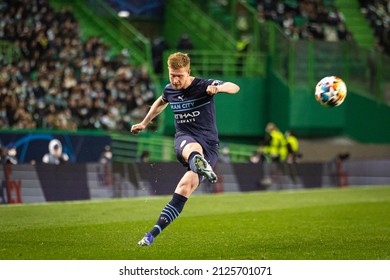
<point x="9" y="160"/>
<point x="292" y="146"/>
<point x="272" y="153"/>
<point x="293" y="154"/>
<point x="105" y="169"/>
<point x="273" y="142"/>
<point x="225" y="154"/>
<point x="106" y="156"/>
<point x="10" y="155"/>
<point x="145" y="156"/>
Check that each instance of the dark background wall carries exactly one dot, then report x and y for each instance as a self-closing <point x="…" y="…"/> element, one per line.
<point x="33" y="146"/>
<point x="38" y="183"/>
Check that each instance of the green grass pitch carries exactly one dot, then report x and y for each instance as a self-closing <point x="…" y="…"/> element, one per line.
<point x="315" y="224"/>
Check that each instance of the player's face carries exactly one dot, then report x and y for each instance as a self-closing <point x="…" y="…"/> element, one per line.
<point x="179" y="78"/>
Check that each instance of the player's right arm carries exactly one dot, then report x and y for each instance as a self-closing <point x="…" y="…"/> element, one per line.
<point x="157" y="107"/>
<point x="227" y="87"/>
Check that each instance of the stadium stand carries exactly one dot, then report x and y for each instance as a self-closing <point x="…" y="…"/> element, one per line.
<point x="61" y="81"/>
<point x="300" y="19"/>
<point x="306" y="19"/>
<point x="378" y="14"/>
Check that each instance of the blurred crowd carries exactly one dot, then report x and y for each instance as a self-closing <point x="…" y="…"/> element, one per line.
<point x="299" y="19"/>
<point x="305" y="19"/>
<point x="378" y="14"/>
<point x="60" y="80"/>
<point x="64" y="81"/>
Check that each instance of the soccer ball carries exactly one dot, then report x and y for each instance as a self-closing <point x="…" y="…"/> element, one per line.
<point x="331" y="91"/>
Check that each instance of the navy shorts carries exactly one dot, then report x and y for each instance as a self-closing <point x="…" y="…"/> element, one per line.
<point x="210" y="149"/>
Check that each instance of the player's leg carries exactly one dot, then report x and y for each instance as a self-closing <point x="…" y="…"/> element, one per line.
<point x="188" y="183"/>
<point x="193" y="154"/>
<point x="188" y="152"/>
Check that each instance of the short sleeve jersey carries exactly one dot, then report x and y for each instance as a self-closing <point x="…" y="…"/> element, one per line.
<point x="194" y="109"/>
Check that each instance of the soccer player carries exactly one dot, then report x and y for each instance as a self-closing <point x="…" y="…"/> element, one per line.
<point x="196" y="140"/>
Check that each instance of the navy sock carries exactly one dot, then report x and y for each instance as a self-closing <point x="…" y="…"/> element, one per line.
<point x="170" y="212"/>
<point x="191" y="162"/>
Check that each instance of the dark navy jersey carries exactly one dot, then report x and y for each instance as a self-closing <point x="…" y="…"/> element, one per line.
<point x="194" y="109"/>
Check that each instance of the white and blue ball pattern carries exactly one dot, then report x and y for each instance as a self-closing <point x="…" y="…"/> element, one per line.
<point x="331" y="91"/>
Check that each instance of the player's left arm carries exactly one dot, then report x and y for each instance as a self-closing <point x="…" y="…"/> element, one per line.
<point x="227" y="87"/>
